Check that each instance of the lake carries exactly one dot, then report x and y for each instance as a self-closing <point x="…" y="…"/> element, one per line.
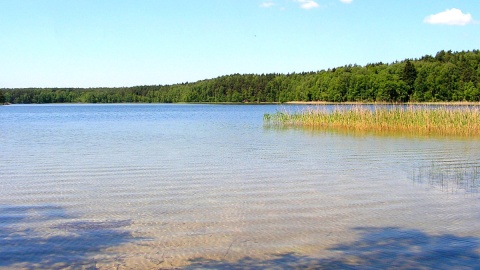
<point x="151" y="186"/>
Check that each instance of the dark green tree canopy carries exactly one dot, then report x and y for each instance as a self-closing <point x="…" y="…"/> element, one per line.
<point x="409" y="76"/>
<point x="2" y="98"/>
<point x="409" y="73"/>
<point x="447" y="76"/>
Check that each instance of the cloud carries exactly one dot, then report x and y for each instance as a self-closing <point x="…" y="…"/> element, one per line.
<point x="267" y="4"/>
<point x="346" y="1"/>
<point x="450" y="17"/>
<point x="308" y="4"/>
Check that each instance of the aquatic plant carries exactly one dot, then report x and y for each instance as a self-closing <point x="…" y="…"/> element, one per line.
<point x="442" y="120"/>
<point x="450" y="178"/>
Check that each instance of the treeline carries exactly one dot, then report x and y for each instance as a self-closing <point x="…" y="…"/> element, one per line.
<point x="447" y="76"/>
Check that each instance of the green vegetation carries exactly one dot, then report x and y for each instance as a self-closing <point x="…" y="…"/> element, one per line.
<point x="448" y="76"/>
<point x="2" y="98"/>
<point x="418" y="120"/>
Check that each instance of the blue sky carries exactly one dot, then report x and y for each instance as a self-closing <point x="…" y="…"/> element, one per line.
<point x="113" y="43"/>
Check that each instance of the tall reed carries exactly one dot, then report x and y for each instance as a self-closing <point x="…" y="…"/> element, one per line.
<point x="464" y="121"/>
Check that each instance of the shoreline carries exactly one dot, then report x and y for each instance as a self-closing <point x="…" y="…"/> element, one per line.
<point x="441" y="103"/>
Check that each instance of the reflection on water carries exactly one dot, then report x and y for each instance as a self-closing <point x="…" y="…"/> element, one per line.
<point x="367" y="133"/>
<point x="164" y="186"/>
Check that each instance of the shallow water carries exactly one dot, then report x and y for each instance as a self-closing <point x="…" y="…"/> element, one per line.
<point x="209" y="186"/>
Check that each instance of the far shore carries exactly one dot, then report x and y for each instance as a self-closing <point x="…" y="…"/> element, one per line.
<point x="443" y="103"/>
<point x="452" y="103"/>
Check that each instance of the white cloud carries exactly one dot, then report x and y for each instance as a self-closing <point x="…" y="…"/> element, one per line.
<point x="346" y="1"/>
<point x="450" y="17"/>
<point x="267" y="4"/>
<point x="308" y="4"/>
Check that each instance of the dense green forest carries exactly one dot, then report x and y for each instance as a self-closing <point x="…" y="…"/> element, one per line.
<point x="447" y="76"/>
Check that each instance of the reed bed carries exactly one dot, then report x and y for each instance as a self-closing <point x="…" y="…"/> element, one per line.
<point x="459" y="121"/>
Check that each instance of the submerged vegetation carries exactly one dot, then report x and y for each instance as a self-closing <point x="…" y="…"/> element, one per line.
<point x="450" y="178"/>
<point x="447" y="76"/>
<point x="411" y="119"/>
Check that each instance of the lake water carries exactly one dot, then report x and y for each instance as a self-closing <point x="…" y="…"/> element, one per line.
<point x="210" y="186"/>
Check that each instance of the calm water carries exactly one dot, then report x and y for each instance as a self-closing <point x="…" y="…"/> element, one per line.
<point x="209" y="186"/>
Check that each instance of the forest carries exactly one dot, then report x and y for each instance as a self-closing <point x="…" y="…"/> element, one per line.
<point x="447" y="76"/>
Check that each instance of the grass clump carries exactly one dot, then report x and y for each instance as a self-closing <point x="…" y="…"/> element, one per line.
<point x="444" y="120"/>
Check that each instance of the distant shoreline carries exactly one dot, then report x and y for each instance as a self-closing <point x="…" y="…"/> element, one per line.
<point x="447" y="78"/>
<point x="444" y="103"/>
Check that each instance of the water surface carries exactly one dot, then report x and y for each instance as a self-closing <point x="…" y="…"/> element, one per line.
<point x="163" y="186"/>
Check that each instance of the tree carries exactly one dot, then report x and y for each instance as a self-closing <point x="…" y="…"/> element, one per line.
<point x="2" y="98"/>
<point x="471" y="92"/>
<point x="409" y="75"/>
<point x="420" y="86"/>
